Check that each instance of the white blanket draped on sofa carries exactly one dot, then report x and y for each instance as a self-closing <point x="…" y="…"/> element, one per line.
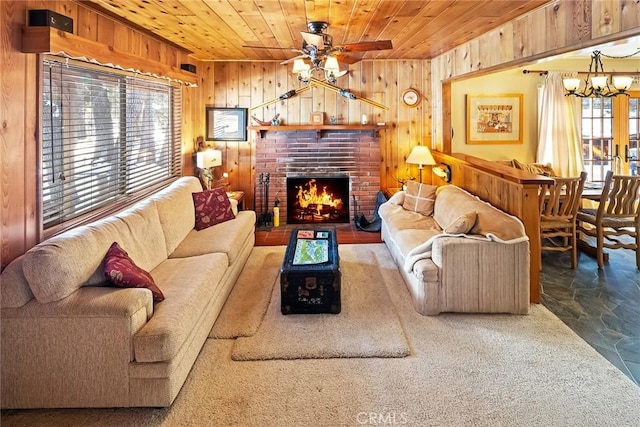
<point x="424" y="250"/>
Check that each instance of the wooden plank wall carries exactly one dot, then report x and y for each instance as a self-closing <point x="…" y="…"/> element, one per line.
<point x="249" y="84"/>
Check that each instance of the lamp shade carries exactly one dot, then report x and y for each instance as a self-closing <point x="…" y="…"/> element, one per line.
<point x="571" y="84"/>
<point x="622" y="82"/>
<point x="331" y="64"/>
<point x="208" y="159"/>
<point x="421" y="155"/>
<point x="599" y="82"/>
<point x="300" y="66"/>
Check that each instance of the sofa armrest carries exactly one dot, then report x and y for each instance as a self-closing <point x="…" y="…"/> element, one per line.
<point x="79" y="349"/>
<point x="397" y="198"/>
<point x="495" y="277"/>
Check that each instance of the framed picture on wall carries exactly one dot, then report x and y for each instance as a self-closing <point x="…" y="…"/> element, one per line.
<point x="226" y="124"/>
<point x="494" y="119"/>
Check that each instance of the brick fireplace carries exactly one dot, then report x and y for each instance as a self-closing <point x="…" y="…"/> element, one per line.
<point x="352" y="154"/>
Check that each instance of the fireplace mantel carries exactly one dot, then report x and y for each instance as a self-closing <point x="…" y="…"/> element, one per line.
<point x="262" y="130"/>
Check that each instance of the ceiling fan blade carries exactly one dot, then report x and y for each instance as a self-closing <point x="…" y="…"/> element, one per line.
<point x="365" y="46"/>
<point x="313" y="39"/>
<point x="346" y="59"/>
<point x="287" y="61"/>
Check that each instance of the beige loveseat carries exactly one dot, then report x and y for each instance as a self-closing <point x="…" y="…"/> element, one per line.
<point x="69" y="340"/>
<point x="483" y="269"/>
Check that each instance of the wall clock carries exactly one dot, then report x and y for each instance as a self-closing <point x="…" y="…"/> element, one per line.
<point x="411" y="98"/>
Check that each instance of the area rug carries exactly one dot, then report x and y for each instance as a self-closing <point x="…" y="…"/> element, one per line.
<point x="248" y="301"/>
<point x="365" y="302"/>
<point x="463" y="370"/>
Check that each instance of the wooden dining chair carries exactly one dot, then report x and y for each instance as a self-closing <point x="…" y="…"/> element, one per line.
<point x="617" y="215"/>
<point x="559" y="202"/>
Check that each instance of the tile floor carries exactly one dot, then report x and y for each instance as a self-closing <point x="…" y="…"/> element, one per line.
<point x="603" y="307"/>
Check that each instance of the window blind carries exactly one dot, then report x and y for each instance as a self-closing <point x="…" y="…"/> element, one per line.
<point x="106" y="137"/>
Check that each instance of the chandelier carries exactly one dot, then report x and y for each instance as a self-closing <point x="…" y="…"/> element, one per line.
<point x="331" y="68"/>
<point x="597" y="82"/>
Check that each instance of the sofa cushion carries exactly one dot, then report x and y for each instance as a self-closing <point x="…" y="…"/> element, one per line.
<point x="189" y="285"/>
<point x="397" y="218"/>
<point x="141" y="234"/>
<point x="175" y="209"/>
<point x="211" y="207"/>
<point x="62" y="264"/>
<point x="453" y="201"/>
<point x="227" y="237"/>
<point x="463" y="224"/>
<point x="408" y="239"/>
<point x="123" y="272"/>
<point x="14" y="288"/>
<point x="419" y="198"/>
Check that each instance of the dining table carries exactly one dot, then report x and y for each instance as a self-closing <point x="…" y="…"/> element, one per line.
<point x="592" y="191"/>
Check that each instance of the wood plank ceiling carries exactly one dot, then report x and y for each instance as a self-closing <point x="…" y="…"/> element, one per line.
<point x="218" y="29"/>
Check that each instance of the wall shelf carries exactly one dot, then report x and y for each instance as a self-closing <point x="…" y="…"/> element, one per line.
<point x="262" y="130"/>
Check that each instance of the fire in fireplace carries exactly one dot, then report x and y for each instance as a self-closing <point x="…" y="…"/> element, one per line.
<point x="317" y="199"/>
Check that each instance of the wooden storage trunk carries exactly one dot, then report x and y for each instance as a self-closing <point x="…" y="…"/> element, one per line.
<point x="311" y="288"/>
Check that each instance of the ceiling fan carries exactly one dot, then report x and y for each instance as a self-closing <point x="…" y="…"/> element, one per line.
<point x="318" y="48"/>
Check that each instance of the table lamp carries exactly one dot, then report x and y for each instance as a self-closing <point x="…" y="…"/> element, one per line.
<point x="421" y="156"/>
<point x="206" y="160"/>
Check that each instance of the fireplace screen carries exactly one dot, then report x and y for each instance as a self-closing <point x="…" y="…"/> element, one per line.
<point x="317" y="200"/>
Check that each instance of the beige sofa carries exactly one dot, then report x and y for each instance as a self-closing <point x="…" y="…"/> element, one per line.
<point x="68" y="340"/>
<point x="484" y="270"/>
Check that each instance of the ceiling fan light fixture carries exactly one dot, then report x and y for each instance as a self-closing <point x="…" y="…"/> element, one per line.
<point x="318" y="49"/>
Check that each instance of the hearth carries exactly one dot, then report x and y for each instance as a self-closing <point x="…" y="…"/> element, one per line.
<point x="317" y="200"/>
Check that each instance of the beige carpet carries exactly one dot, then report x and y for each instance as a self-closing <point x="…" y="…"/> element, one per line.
<point x="365" y="302"/>
<point x="463" y="370"/>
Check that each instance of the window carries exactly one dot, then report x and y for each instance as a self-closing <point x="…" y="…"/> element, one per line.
<point x="610" y="135"/>
<point x="107" y="139"/>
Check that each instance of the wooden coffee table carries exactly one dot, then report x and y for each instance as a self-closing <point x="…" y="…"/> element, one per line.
<point x="310" y="276"/>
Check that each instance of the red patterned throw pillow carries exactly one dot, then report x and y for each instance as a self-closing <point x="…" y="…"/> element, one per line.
<point x="212" y="207"/>
<point x="120" y="269"/>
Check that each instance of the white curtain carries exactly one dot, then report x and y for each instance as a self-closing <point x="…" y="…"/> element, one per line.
<point x="558" y="130"/>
